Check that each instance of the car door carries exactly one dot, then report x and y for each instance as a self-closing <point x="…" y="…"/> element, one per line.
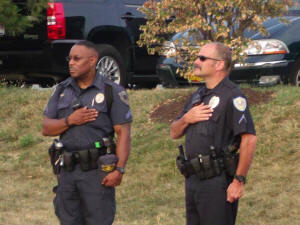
<point x="143" y="62"/>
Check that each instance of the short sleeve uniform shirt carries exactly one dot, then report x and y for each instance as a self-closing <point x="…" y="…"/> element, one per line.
<point x="83" y="137"/>
<point x="231" y="118"/>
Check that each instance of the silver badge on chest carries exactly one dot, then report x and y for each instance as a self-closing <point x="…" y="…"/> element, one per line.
<point x="99" y="98"/>
<point x="214" y="102"/>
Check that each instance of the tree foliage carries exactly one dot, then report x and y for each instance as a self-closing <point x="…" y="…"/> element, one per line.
<point x="17" y="16"/>
<point x="219" y="20"/>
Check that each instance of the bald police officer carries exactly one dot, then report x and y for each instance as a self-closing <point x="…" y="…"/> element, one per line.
<point x="79" y="113"/>
<point x="215" y="115"/>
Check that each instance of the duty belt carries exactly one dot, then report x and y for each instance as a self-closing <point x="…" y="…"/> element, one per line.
<point x="86" y="158"/>
<point x="207" y="166"/>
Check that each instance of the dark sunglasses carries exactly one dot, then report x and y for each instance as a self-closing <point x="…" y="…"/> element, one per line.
<point x="202" y="58"/>
<point x="76" y="58"/>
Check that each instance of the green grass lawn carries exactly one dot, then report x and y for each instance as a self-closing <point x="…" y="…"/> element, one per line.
<point x="152" y="191"/>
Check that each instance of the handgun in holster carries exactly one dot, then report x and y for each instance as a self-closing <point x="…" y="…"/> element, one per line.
<point x="55" y="152"/>
<point x="181" y="162"/>
<point x="231" y="158"/>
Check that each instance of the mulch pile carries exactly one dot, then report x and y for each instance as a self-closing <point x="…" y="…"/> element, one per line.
<point x="167" y="111"/>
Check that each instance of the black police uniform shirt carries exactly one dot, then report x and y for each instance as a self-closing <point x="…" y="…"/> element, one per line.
<point x="68" y="93"/>
<point x="231" y="118"/>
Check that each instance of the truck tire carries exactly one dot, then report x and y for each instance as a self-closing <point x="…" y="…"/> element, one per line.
<point x="294" y="77"/>
<point x="111" y="64"/>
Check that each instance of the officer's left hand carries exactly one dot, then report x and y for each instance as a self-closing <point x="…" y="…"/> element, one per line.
<point x="235" y="191"/>
<point x="112" y="179"/>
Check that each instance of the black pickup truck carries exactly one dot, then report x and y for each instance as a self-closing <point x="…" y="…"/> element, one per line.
<point x="38" y="55"/>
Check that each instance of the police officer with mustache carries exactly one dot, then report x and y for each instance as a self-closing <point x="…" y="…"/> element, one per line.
<point x="214" y="117"/>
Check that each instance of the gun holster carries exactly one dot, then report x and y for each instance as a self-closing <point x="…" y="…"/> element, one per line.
<point x="230" y="161"/>
<point x="55" y="155"/>
<point x="181" y="165"/>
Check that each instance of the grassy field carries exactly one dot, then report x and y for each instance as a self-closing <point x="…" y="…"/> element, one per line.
<point x="152" y="189"/>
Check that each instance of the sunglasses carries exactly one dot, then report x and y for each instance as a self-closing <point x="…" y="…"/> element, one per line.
<point x="202" y="58"/>
<point x="76" y="58"/>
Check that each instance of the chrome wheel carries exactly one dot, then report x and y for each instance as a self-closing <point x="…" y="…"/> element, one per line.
<point x="108" y="66"/>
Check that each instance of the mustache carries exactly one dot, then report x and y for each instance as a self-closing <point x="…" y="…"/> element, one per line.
<point x="197" y="67"/>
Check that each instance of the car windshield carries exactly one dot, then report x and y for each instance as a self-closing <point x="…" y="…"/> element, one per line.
<point x="193" y="37"/>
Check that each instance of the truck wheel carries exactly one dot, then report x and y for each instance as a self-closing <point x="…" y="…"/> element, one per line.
<point x="111" y="64"/>
<point x="295" y="74"/>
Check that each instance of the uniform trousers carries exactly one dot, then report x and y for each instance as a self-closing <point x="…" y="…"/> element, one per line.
<point x="81" y="199"/>
<point x="206" y="201"/>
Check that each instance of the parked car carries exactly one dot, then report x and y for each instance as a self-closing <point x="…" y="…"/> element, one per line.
<point x="270" y="59"/>
<point x="38" y="55"/>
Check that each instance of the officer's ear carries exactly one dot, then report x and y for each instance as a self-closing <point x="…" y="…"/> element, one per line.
<point x="220" y="65"/>
<point x="94" y="60"/>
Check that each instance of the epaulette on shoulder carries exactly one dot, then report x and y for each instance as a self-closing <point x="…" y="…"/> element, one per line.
<point x="65" y="82"/>
<point x="230" y="84"/>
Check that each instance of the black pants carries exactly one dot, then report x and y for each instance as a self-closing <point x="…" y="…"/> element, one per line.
<point x="81" y="199"/>
<point x="206" y="202"/>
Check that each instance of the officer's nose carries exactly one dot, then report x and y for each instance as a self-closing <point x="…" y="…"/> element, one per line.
<point x="197" y="62"/>
<point x="71" y="62"/>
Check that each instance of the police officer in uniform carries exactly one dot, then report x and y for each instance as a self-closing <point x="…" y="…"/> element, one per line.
<point x="219" y="116"/>
<point x="78" y="112"/>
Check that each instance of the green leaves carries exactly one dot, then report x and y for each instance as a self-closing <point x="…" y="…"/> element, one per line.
<point x="16" y="18"/>
<point x="219" y="20"/>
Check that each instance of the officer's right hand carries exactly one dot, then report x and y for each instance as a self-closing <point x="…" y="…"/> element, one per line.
<point x="198" y="113"/>
<point x="82" y="116"/>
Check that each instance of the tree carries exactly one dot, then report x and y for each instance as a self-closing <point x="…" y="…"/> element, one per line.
<point x="219" y="20"/>
<point x="17" y="16"/>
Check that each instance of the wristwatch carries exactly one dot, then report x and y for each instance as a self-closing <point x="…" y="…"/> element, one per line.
<point x="240" y="178"/>
<point x="121" y="169"/>
<point x="67" y="122"/>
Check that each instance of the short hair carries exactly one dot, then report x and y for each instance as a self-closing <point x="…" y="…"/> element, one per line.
<point x="89" y="45"/>
<point x="224" y="52"/>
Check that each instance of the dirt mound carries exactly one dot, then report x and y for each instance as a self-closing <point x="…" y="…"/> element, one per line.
<point x="167" y="111"/>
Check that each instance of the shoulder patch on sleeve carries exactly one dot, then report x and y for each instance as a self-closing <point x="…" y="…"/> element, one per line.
<point x="240" y="103"/>
<point x="124" y="97"/>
